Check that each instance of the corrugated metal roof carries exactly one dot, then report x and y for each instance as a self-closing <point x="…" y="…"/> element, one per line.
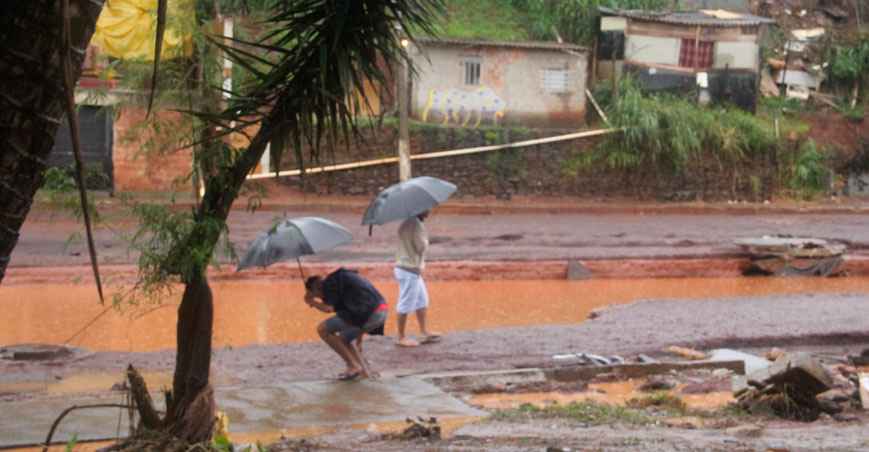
<point x="690" y="18"/>
<point x="739" y="6"/>
<point x="545" y="45"/>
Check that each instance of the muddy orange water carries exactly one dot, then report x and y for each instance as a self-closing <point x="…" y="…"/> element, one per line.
<point x="266" y="312"/>
<point x="614" y="393"/>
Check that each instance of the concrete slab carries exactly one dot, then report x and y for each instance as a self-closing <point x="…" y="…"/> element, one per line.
<point x="250" y="409"/>
<point x="753" y="363"/>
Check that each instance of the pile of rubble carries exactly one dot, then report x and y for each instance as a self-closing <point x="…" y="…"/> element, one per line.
<point x="797" y="386"/>
<point x="809" y="28"/>
<point x="783" y="255"/>
<point x="794" y="386"/>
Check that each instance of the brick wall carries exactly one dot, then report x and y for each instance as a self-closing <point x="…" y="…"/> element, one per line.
<point x="139" y="163"/>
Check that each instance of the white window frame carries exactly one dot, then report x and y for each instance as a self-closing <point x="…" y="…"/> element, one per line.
<point x="556" y="80"/>
<point x="472" y="68"/>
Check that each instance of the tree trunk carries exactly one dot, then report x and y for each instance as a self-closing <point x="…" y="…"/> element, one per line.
<point x="191" y="413"/>
<point x="32" y="99"/>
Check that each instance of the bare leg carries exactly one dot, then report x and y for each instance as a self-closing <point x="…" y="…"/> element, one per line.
<point x="423" y="328"/>
<point x="357" y="356"/>
<point x="337" y="344"/>
<point x="402" y="339"/>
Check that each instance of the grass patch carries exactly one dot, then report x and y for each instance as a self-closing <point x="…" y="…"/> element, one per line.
<point x="484" y="19"/>
<point x="661" y="400"/>
<point x="587" y="412"/>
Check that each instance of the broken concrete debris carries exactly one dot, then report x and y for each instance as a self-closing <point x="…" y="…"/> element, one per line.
<point x="752" y="363"/>
<point x="783" y="255"/>
<point x="588" y="359"/>
<point x="420" y="428"/>
<point x="863" y="381"/>
<point x="788" y="388"/>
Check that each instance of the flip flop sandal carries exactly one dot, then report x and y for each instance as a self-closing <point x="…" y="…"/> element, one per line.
<point x="408" y="344"/>
<point x="430" y="340"/>
<point x="349" y="376"/>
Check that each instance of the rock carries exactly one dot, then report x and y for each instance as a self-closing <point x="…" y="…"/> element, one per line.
<point x="688" y="423"/>
<point x="595" y="313"/>
<point x="841" y="417"/>
<point x="836" y="395"/>
<point x="687" y="353"/>
<point x="846" y="370"/>
<point x="859" y="360"/>
<point x="753" y="363"/>
<point x="739" y="384"/>
<point x="774" y="354"/>
<point x="657" y="383"/>
<point x="863" y="380"/>
<point x="646" y="359"/>
<point x="799" y="371"/>
<point x="577" y="271"/>
<point x="745" y="431"/>
<point x="721" y="373"/>
<point x="829" y="406"/>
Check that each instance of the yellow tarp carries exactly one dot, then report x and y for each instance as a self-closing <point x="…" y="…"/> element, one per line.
<point x="126" y="29"/>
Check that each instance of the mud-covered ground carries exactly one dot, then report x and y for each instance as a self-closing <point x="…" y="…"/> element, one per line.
<point x="836" y="324"/>
<point x="522" y="230"/>
<point x="558" y="435"/>
<point x="833" y="324"/>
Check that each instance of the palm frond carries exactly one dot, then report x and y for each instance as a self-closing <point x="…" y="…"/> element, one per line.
<point x="72" y="117"/>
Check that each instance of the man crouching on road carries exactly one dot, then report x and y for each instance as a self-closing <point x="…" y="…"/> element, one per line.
<point x="359" y="308"/>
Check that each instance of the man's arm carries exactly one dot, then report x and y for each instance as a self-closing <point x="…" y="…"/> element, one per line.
<point x="420" y="239"/>
<point x="323" y="307"/>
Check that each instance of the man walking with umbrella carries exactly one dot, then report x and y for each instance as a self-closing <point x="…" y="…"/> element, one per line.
<point x="359" y="309"/>
<point x="410" y="201"/>
<point x="409" y="265"/>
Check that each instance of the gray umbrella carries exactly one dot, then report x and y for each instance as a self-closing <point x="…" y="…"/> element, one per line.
<point x="407" y="199"/>
<point x="293" y="238"/>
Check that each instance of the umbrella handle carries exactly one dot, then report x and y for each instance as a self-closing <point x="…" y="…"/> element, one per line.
<point x="370" y="228"/>
<point x="301" y="272"/>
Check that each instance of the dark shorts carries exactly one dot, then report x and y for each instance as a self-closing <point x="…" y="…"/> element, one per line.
<point x="348" y="332"/>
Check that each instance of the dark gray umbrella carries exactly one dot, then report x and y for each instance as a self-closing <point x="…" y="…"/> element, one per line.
<point x="293" y="238"/>
<point x="407" y="199"/>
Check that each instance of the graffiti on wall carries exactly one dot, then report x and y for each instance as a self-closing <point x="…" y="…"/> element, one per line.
<point x="460" y="106"/>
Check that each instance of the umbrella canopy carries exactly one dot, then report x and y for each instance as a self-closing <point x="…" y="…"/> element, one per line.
<point x="293" y="238"/>
<point x="407" y="199"/>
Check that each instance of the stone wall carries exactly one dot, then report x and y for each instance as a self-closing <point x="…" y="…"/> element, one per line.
<point x="538" y="170"/>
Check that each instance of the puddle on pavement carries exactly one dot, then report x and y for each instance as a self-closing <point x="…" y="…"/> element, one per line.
<point x="614" y="393"/>
<point x="82" y="383"/>
<point x="268" y="312"/>
<point x="448" y="426"/>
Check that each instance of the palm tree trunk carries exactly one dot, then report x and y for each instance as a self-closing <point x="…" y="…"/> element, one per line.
<point x="32" y="99"/>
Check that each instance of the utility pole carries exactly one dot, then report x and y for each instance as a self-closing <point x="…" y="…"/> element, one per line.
<point x="403" y="132"/>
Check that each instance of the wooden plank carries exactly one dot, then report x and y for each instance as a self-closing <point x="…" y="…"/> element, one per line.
<point x="432" y="155"/>
<point x="575" y="373"/>
<point x="597" y="107"/>
<point x="687" y="32"/>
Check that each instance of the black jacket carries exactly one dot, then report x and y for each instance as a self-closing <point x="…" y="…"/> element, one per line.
<point x="353" y="297"/>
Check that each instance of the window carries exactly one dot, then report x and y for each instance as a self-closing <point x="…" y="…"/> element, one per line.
<point x="700" y="58"/>
<point x="472" y="71"/>
<point x="556" y="81"/>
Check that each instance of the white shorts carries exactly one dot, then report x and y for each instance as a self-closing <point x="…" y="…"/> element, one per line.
<point x="412" y="294"/>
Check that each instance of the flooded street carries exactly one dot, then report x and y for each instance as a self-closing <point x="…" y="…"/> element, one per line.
<point x="264" y="312"/>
